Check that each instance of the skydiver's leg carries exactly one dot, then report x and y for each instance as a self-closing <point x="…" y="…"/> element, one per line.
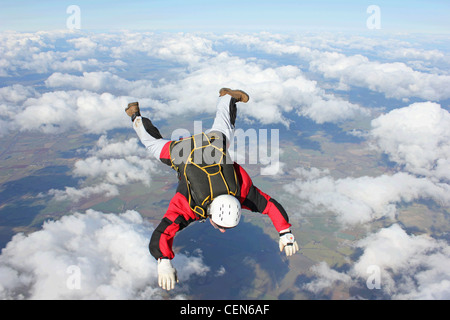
<point x="225" y="116"/>
<point x="227" y="111"/>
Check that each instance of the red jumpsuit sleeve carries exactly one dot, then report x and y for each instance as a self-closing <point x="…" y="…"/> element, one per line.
<point x="178" y="216"/>
<point x="253" y="199"/>
<point x="165" y="154"/>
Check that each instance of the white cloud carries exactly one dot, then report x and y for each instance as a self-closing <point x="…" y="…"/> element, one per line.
<point x="323" y="54"/>
<point x="108" y="252"/>
<point x="75" y="195"/>
<point x="275" y="169"/>
<point x="33" y="52"/>
<point x="94" y="81"/>
<point x="395" y="80"/>
<point x="85" y="45"/>
<point x="40" y="52"/>
<point x="363" y="199"/>
<point x="110" y="164"/>
<point x="330" y="109"/>
<point x="101" y="82"/>
<point x="16" y="94"/>
<point x="410" y="267"/>
<point x="61" y="111"/>
<point x="416" y="54"/>
<point x="106" y="148"/>
<point x="180" y="47"/>
<point x="52" y="112"/>
<point x="116" y="171"/>
<point x="18" y="46"/>
<point x="117" y="162"/>
<point x="274" y="90"/>
<point x="11" y="101"/>
<point x="326" y="278"/>
<point x="221" y="271"/>
<point x="416" y="137"/>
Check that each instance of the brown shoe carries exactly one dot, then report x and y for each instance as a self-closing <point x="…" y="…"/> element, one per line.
<point x="239" y="95"/>
<point x="132" y="109"/>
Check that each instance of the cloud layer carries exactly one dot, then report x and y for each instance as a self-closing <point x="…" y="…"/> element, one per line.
<point x="110" y="164"/>
<point x="59" y="82"/>
<point x="90" y="93"/>
<point x="408" y="266"/>
<point x="405" y="266"/>
<point x="364" y="199"/>
<point x="78" y="95"/>
<point x="87" y="256"/>
<point x="416" y="137"/>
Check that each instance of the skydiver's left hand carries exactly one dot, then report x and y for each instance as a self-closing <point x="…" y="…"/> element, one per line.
<point x="167" y="274"/>
<point x="288" y="243"/>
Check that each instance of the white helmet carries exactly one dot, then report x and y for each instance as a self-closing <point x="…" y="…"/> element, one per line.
<point x="225" y="211"/>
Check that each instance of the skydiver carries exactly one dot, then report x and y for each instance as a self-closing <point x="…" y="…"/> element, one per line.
<point x="210" y="184"/>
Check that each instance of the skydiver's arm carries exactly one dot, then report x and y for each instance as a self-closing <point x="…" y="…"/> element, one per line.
<point x="149" y="135"/>
<point x="257" y="201"/>
<point x="178" y="216"/>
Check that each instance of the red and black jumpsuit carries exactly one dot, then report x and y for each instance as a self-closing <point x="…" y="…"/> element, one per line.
<point x="179" y="213"/>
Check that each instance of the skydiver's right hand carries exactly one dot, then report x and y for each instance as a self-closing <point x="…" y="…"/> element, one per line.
<point x="167" y="274"/>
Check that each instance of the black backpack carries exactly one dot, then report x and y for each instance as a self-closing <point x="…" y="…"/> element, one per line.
<point x="204" y="165"/>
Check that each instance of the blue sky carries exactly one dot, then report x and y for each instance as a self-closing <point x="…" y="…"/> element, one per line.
<point x="221" y="16"/>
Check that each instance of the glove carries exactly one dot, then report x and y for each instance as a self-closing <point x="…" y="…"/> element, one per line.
<point x="288" y="243"/>
<point x="167" y="274"/>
